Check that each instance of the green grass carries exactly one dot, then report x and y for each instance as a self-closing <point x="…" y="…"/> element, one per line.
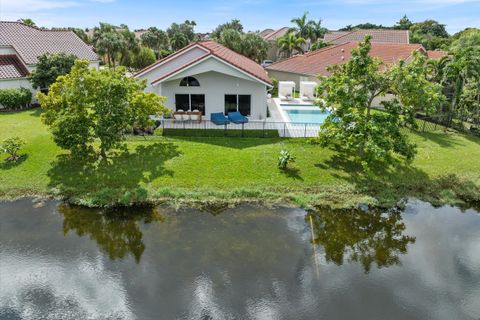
<point x="211" y="169"/>
<point x="220" y="133"/>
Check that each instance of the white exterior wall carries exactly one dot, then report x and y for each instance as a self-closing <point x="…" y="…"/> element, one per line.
<point x="15" y="83"/>
<point x="215" y="86"/>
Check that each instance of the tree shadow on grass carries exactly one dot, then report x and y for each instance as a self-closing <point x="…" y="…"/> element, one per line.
<point x="230" y="142"/>
<point x="391" y="183"/>
<point x="7" y="165"/>
<point x="443" y="139"/>
<point x="119" y="181"/>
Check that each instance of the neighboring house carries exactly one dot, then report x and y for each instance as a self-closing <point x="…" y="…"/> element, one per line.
<point x="436" y="54"/>
<point x="378" y="35"/>
<point x="271" y="36"/>
<point x="20" y="45"/>
<point x="309" y="66"/>
<point x="209" y="77"/>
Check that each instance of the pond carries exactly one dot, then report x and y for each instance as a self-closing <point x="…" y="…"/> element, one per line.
<point x="61" y="262"/>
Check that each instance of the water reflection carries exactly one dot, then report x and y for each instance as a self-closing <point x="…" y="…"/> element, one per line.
<point x="361" y="236"/>
<point x="116" y="231"/>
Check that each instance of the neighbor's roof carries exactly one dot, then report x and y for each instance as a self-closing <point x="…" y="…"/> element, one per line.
<point x="217" y="50"/>
<point x="378" y="35"/>
<point x="436" y="54"/>
<point x="316" y="62"/>
<point x="11" y="67"/>
<point x="31" y="42"/>
<point x="273" y="36"/>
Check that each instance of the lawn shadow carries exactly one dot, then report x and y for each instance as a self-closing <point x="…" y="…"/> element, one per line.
<point x="293" y="173"/>
<point x="119" y="180"/>
<point x="35" y="112"/>
<point x="229" y="142"/>
<point x="443" y="139"/>
<point x="6" y="165"/>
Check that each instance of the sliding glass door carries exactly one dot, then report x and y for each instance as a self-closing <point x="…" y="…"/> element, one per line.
<point x="241" y="103"/>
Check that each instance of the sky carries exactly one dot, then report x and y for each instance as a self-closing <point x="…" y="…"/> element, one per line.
<point x="254" y="14"/>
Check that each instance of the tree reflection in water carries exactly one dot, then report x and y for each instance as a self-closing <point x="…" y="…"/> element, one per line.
<point x="361" y="236"/>
<point x="116" y="231"/>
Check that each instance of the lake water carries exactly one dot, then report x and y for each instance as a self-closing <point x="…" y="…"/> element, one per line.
<point x="59" y="262"/>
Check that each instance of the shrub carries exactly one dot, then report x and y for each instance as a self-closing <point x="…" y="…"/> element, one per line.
<point x="284" y="159"/>
<point x="11" y="146"/>
<point x="14" y="99"/>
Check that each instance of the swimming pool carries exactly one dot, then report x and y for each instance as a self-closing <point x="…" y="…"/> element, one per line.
<point x="306" y="116"/>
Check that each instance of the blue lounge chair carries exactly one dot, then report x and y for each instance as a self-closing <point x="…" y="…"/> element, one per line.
<point x="236" y="117"/>
<point x="219" y="119"/>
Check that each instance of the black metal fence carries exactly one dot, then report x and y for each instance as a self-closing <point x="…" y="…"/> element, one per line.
<point x="253" y="128"/>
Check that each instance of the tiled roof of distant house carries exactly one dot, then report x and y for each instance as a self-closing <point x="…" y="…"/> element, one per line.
<point x="316" y="62"/>
<point x="378" y="35"/>
<point x="31" y="42"/>
<point x="11" y="67"/>
<point x="436" y="54"/>
<point x="224" y="54"/>
<point x="273" y="36"/>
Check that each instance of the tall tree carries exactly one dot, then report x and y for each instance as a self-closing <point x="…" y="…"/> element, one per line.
<point x="431" y="34"/>
<point x="350" y="92"/>
<point x="131" y="48"/>
<point x="403" y="24"/>
<point x="254" y="47"/>
<point x="109" y="42"/>
<point x="302" y="28"/>
<point x="155" y="39"/>
<point x="182" y="34"/>
<point x="89" y="104"/>
<point x="290" y="43"/>
<point x="231" y="39"/>
<point x="467" y="38"/>
<point x="235" y="24"/>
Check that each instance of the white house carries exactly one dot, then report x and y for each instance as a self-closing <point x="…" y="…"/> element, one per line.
<point x="209" y="77"/>
<point x="21" y="45"/>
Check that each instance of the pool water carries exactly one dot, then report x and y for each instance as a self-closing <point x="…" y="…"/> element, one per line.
<point x="307" y="116"/>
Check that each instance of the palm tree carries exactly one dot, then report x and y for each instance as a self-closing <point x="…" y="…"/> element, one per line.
<point x="290" y="43"/>
<point x="303" y="28"/>
<point x="316" y="30"/>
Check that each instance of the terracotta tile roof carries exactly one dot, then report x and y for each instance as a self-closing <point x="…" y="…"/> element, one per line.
<point x="31" y="42"/>
<point x="437" y="54"/>
<point x="315" y="63"/>
<point x="11" y="67"/>
<point x="277" y="34"/>
<point x="214" y="49"/>
<point x="378" y="35"/>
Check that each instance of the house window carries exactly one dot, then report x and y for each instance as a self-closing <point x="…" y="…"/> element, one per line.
<point x="190" y="102"/>
<point x="189" y="82"/>
<point x="241" y="103"/>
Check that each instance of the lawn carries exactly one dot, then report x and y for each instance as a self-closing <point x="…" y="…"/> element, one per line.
<point x="199" y="169"/>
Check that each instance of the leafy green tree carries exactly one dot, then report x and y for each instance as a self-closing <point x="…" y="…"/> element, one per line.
<point x="49" y="67"/>
<point x="317" y="31"/>
<point x="460" y="69"/>
<point x="130" y="48"/>
<point x="290" y="43"/>
<point x="231" y="39"/>
<point x="403" y="24"/>
<point x="182" y="34"/>
<point x="235" y="24"/>
<point x="109" y="42"/>
<point x="89" y="104"/>
<point x="81" y="34"/>
<point x="11" y="146"/>
<point x="350" y="91"/>
<point x="431" y="34"/>
<point x="366" y="25"/>
<point x="369" y="237"/>
<point x="466" y="39"/>
<point x="143" y="58"/>
<point x="155" y="39"/>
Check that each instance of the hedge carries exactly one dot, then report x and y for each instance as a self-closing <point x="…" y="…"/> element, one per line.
<point x="14" y="99"/>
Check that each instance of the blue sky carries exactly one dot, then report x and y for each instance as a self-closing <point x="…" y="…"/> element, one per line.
<point x="254" y="14"/>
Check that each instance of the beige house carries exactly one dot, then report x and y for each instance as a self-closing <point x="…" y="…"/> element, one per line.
<point x="271" y="36"/>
